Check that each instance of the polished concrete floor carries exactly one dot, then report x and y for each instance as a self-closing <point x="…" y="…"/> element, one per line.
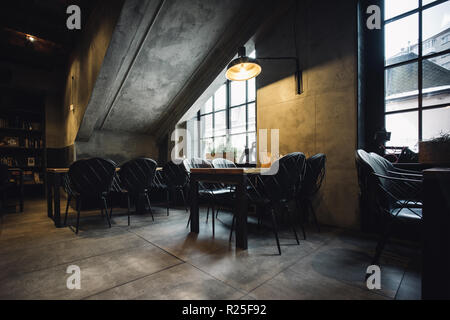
<point x="162" y="260"/>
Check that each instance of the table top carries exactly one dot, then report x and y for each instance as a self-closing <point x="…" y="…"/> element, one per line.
<point x="228" y="171"/>
<point x="65" y="170"/>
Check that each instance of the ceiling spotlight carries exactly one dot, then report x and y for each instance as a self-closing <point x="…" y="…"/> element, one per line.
<point x="30" y="38"/>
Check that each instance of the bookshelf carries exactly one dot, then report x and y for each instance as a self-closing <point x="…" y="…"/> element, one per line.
<point x="22" y="133"/>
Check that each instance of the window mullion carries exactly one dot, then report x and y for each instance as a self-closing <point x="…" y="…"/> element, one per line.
<point x="420" y="70"/>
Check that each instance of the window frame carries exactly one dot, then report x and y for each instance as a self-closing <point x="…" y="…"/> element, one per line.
<point x="419" y="61"/>
<point x="228" y="109"/>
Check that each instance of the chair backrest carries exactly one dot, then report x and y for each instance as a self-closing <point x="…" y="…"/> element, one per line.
<point x="196" y="163"/>
<point x="4" y="174"/>
<point x="175" y="175"/>
<point x="315" y="173"/>
<point x="370" y="165"/>
<point x="286" y="177"/>
<point x="383" y="162"/>
<point x="221" y="163"/>
<point x="92" y="176"/>
<point x="137" y="175"/>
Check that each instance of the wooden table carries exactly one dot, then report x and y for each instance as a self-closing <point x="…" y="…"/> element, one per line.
<point x="436" y="234"/>
<point x="237" y="177"/>
<point x="55" y="178"/>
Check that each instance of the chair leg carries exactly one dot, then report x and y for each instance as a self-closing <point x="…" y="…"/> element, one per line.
<point x="106" y="210"/>
<point x="232" y="226"/>
<point x="217" y="212"/>
<point x="184" y="200"/>
<point x="275" y="230"/>
<point x="213" y="221"/>
<point x="168" y="200"/>
<point x="302" y="210"/>
<point x="189" y="221"/>
<point x="67" y="209"/>
<point x="207" y="214"/>
<point x="149" y="206"/>
<point x="291" y="221"/>
<point x="78" y="214"/>
<point x="128" y="203"/>
<point x="313" y="213"/>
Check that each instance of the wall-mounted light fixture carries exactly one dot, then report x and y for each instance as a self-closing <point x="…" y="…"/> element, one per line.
<point x="244" y="68"/>
<point x="30" y="38"/>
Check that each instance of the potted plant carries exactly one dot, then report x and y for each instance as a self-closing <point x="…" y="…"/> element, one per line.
<point x="435" y="151"/>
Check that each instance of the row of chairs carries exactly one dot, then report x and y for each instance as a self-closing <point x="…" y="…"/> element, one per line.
<point x="97" y="178"/>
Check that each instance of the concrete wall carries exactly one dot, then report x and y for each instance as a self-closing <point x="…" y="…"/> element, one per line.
<point x="85" y="64"/>
<point x="323" y="119"/>
<point x="117" y="147"/>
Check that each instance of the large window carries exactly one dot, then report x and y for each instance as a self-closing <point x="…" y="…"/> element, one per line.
<point x="417" y="70"/>
<point x="228" y="121"/>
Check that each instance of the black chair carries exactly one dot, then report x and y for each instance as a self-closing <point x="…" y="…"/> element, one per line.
<point x="396" y="197"/>
<point x="176" y="179"/>
<point x="314" y="176"/>
<point x="136" y="178"/>
<point x="276" y="189"/>
<point x="90" y="178"/>
<point x="211" y="193"/>
<point x="223" y="163"/>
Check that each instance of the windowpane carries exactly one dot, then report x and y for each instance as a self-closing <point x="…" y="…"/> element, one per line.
<point x="238" y="94"/>
<point x="207" y="108"/>
<point x="220" y="98"/>
<point x="401" y="39"/>
<point x="252" y="147"/>
<point x="238" y="120"/>
<point x="251" y="117"/>
<point x="251" y="90"/>
<point x="207" y="147"/>
<point x="239" y="142"/>
<point x="206" y="126"/>
<point x="220" y="144"/>
<point x="436" y="80"/>
<point x="401" y="90"/>
<point x="404" y="130"/>
<point x="394" y="8"/>
<point x="220" y="124"/>
<point x="435" y="122"/>
<point x="436" y="32"/>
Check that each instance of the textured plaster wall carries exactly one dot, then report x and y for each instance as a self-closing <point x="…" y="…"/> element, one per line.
<point x="117" y="147"/>
<point x="85" y="64"/>
<point x="324" y="118"/>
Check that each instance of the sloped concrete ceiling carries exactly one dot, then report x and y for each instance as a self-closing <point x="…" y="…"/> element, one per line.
<point x="155" y="51"/>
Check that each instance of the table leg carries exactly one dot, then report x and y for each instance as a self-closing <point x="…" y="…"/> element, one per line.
<point x="57" y="200"/>
<point x="50" y="179"/>
<point x="241" y="219"/>
<point x="195" y="225"/>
